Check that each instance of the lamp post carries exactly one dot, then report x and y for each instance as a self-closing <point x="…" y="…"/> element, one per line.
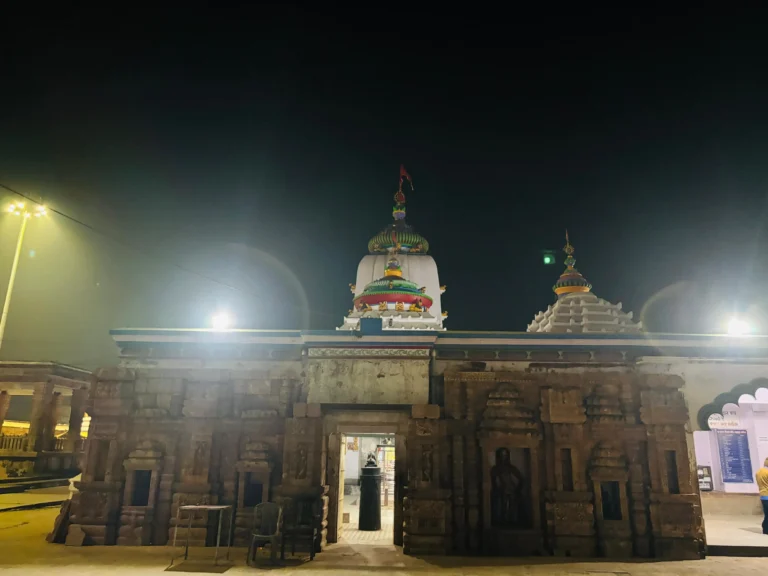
<point x="221" y="321"/>
<point x="738" y="327"/>
<point x="16" y="209"/>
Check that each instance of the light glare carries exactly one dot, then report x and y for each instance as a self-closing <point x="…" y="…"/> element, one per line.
<point x="221" y="321"/>
<point x="737" y="327"/>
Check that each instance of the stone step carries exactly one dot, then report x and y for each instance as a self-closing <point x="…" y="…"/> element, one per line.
<point x="14" y="485"/>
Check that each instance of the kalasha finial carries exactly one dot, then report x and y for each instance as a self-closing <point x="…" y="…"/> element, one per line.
<point x="568" y="249"/>
<point x="570" y="261"/>
<point x="570" y="280"/>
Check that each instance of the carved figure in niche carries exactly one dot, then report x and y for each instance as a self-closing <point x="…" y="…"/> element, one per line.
<point x="426" y="463"/>
<point x="301" y="461"/>
<point x="507" y="486"/>
<point x="198" y="463"/>
<point x="371" y="460"/>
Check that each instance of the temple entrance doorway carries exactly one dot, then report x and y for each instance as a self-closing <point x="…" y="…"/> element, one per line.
<point x="352" y="435"/>
<point x="359" y="450"/>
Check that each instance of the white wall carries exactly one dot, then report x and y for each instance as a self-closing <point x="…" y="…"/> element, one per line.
<point x="705" y="379"/>
<point x="749" y="416"/>
<point x="352" y="461"/>
<point x="707" y="454"/>
<point x="419" y="269"/>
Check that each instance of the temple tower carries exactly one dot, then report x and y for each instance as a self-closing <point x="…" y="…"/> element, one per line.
<point x="397" y="281"/>
<point x="577" y="309"/>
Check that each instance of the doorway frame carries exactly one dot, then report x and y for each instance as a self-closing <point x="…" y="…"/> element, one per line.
<point x="346" y="421"/>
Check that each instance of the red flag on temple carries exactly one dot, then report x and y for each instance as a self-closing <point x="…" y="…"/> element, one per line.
<point x="404" y="174"/>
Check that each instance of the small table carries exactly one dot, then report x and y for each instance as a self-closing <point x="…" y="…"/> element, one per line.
<point x="208" y="508"/>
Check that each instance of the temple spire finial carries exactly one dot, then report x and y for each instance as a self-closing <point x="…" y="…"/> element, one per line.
<point x="570" y="280"/>
<point x="570" y="261"/>
<point x="568" y="249"/>
<point x="398" y="212"/>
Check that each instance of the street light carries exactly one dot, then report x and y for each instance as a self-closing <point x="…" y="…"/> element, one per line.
<point x="738" y="327"/>
<point x="221" y="321"/>
<point x="17" y="209"/>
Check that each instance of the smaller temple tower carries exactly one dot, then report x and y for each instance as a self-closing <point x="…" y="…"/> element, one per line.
<point x="577" y="309"/>
<point x="407" y="295"/>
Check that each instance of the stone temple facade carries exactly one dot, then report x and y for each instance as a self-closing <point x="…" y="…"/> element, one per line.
<point x="506" y="443"/>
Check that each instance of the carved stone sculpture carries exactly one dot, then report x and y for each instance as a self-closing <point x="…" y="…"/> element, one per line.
<point x="507" y="495"/>
<point x="301" y="461"/>
<point x="426" y="463"/>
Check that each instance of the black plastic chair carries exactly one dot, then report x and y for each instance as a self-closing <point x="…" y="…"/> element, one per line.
<point x="301" y="524"/>
<point x="267" y="524"/>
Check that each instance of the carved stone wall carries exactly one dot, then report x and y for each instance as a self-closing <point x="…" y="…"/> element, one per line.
<point x="427" y="510"/>
<point x="568" y="461"/>
<point x="602" y="457"/>
<point x="184" y="436"/>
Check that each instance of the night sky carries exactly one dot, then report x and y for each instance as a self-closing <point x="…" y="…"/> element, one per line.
<point x="241" y="158"/>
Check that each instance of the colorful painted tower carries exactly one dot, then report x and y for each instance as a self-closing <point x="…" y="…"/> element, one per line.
<point x="397" y="281"/>
<point x="577" y="309"/>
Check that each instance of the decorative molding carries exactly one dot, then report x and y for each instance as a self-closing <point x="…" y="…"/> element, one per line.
<point x="368" y="352"/>
<point x="477" y="376"/>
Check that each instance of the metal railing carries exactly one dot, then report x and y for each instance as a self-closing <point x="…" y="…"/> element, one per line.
<point x="21" y="444"/>
<point x="14" y="443"/>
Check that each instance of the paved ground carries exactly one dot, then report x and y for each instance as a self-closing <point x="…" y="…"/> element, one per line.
<point x="34" y="497"/>
<point x="351" y="535"/>
<point x="735" y="531"/>
<point x="23" y="551"/>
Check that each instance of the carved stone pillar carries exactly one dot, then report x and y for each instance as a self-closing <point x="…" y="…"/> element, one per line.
<point x="76" y="413"/>
<point x="40" y="416"/>
<point x="609" y="474"/>
<point x="427" y="506"/>
<point x="639" y="481"/>
<point x="5" y="402"/>
<point x="52" y="418"/>
<point x="335" y="485"/>
<point x="305" y="454"/>
<point x="459" y="497"/>
<point x="675" y="507"/>
<point x="401" y="481"/>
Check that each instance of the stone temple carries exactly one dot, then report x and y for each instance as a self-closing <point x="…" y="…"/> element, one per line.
<point x="570" y="439"/>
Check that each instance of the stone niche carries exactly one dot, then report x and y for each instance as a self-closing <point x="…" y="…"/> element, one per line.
<point x="142" y="480"/>
<point x="191" y="486"/>
<point x="577" y="464"/>
<point x="254" y="482"/>
<point x="568" y="501"/>
<point x="510" y="444"/>
<point x="609" y="475"/>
